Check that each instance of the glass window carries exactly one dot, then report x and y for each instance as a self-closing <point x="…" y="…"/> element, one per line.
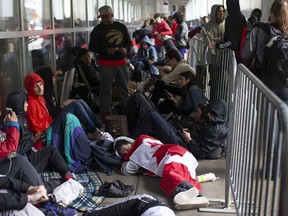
<point x="64" y="57"/>
<point x="37" y="14"/>
<point x="81" y="39"/>
<point x="62" y="13"/>
<point x="79" y="13"/>
<point x="9" y="20"/>
<point x="38" y="52"/>
<point x="92" y="13"/>
<point x="10" y="70"/>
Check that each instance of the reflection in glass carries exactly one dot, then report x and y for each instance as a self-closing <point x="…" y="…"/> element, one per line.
<point x="8" y="15"/>
<point x="62" y="13"/>
<point x="81" y="39"/>
<point x="79" y="13"/>
<point x="10" y="80"/>
<point x="38" y="52"/>
<point x="64" y="57"/>
<point x="37" y="14"/>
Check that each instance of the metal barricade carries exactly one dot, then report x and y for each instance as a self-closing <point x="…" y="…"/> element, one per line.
<point x="257" y="154"/>
<point x="258" y="140"/>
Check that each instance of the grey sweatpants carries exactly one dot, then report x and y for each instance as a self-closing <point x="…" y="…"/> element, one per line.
<point x="28" y="210"/>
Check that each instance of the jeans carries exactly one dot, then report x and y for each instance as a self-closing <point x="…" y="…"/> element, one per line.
<point x="85" y="115"/>
<point x="154" y="125"/>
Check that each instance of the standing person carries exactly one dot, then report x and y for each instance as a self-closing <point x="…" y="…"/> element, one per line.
<point x="235" y="24"/>
<point x="160" y="29"/>
<point x="111" y="41"/>
<point x="181" y="35"/>
<point x="215" y="28"/>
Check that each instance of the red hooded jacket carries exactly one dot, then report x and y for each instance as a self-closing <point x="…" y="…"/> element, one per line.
<point x="38" y="117"/>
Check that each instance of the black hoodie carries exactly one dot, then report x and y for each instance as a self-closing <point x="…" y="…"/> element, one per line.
<point x="234" y="24"/>
<point x="209" y="141"/>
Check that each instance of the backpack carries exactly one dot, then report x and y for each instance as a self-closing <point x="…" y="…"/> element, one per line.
<point x="274" y="67"/>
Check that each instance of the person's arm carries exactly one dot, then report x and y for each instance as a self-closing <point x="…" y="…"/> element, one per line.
<point x="10" y="144"/>
<point x="130" y="168"/>
<point x="166" y="29"/>
<point x="16" y="199"/>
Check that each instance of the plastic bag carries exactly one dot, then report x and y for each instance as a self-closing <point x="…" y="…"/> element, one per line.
<point x="68" y="191"/>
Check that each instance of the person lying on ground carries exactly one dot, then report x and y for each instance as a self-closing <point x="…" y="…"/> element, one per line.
<point x="174" y="164"/>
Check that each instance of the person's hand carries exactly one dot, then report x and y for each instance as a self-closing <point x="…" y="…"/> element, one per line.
<point x="68" y="101"/>
<point x="111" y="50"/>
<point x="212" y="44"/>
<point x="10" y="117"/>
<point x="156" y="33"/>
<point x="150" y="62"/>
<point x="186" y="134"/>
<point x="159" y="36"/>
<point x="122" y="50"/>
<point x="37" y="194"/>
<point x="37" y="137"/>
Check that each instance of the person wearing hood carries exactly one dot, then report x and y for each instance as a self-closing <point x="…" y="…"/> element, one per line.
<point x="41" y="159"/>
<point x="235" y="24"/>
<point x="207" y="141"/>
<point x="64" y="132"/>
<point x="215" y="28"/>
<point x="146" y="56"/>
<point x="79" y="108"/>
<point x="174" y="164"/>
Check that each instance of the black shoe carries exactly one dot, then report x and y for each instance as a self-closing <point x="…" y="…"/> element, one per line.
<point x="123" y="186"/>
<point x="113" y="190"/>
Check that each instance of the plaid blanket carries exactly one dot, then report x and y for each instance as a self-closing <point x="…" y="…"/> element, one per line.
<point x="90" y="198"/>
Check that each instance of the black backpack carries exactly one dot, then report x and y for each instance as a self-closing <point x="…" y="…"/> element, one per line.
<point x="274" y="68"/>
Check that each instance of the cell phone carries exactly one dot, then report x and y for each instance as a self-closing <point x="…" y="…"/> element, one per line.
<point x="9" y="111"/>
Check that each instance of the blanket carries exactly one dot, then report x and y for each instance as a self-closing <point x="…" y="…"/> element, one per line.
<point x="90" y="198"/>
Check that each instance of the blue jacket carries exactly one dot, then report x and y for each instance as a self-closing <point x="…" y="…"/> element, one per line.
<point x="147" y="54"/>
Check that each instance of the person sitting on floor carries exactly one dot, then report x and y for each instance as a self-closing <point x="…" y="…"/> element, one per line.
<point x="174" y="164"/>
<point x="64" y="132"/>
<point x="46" y="96"/>
<point x="20" y="197"/>
<point x="146" y="56"/>
<point x="41" y="159"/>
<point x="169" y="81"/>
<point x="206" y="141"/>
<point x="191" y="96"/>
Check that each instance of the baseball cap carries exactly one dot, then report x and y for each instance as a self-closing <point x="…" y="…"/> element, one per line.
<point x="105" y="10"/>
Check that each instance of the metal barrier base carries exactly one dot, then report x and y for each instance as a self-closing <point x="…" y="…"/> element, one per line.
<point x="228" y="210"/>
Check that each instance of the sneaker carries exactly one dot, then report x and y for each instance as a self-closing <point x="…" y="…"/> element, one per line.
<point x="197" y="202"/>
<point x="56" y="209"/>
<point x="113" y="190"/>
<point x="185" y="197"/>
<point x="123" y="186"/>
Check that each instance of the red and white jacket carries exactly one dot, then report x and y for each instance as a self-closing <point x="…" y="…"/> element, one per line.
<point x="172" y="162"/>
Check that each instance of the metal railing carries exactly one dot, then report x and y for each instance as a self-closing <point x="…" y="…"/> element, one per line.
<point x="257" y="142"/>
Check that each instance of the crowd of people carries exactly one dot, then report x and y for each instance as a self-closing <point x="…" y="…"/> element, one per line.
<point x="171" y="125"/>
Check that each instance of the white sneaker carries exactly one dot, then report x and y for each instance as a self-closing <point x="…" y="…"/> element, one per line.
<point x="197" y="202"/>
<point x="185" y="197"/>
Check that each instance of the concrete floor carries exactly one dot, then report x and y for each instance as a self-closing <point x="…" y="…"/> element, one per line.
<point x="147" y="184"/>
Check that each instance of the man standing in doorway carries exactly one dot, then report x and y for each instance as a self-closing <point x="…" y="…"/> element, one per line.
<point x="110" y="40"/>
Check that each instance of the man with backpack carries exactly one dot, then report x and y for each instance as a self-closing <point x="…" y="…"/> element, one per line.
<point x="269" y="45"/>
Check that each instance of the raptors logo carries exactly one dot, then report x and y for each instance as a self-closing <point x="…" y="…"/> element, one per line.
<point x="114" y="36"/>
